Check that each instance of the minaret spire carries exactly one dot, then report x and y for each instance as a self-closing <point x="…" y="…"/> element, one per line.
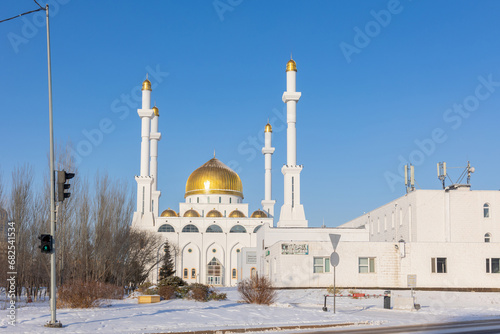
<point x="267" y="150"/>
<point x="292" y="212"/>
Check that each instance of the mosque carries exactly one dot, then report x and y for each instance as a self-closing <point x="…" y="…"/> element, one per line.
<point x="446" y="239"/>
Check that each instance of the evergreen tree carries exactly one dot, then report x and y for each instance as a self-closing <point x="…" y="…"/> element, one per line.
<point x="167" y="269"/>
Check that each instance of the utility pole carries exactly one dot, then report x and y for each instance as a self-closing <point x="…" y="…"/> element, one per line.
<point x="53" y="322"/>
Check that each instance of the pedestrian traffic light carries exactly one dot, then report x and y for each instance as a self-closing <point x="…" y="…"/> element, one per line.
<point x="62" y="186"/>
<point x="46" y="243"/>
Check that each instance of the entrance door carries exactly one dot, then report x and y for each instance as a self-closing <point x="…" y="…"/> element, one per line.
<point x="214" y="272"/>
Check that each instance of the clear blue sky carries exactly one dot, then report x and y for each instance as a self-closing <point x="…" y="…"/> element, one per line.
<point x="366" y="97"/>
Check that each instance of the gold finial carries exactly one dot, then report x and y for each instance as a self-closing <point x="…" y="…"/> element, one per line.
<point x="214" y="153"/>
<point x="156" y="111"/>
<point x="146" y="85"/>
<point x="291" y="65"/>
<point x="268" y="128"/>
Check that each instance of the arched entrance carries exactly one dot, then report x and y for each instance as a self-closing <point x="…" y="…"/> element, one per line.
<point x="215" y="272"/>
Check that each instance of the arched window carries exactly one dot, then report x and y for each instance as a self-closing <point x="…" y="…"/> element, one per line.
<point x="235" y="273"/>
<point x="214" y="229"/>
<point x="253" y="272"/>
<point x="185" y="272"/>
<point x="487" y="237"/>
<point x="238" y="229"/>
<point x="166" y="228"/>
<point x="190" y="228"/>
<point x="486" y="210"/>
<point x="193" y="273"/>
<point x="256" y="228"/>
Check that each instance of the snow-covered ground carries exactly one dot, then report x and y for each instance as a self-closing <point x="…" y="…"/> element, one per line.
<point x="293" y="307"/>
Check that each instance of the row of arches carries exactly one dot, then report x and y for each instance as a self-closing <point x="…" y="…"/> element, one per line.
<point x="190" y="228"/>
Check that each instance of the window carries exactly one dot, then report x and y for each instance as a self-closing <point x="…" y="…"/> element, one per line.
<point x="257" y="228"/>
<point x="385" y="223"/>
<point x="235" y="273"/>
<point x="166" y="228"/>
<point x="486" y="210"/>
<point x="321" y="265"/>
<point x="237" y="229"/>
<point x="214" y="229"/>
<point x="208" y="199"/>
<point x="401" y="217"/>
<point x="253" y="272"/>
<point x="438" y="265"/>
<point x="493" y="265"/>
<point x="193" y="273"/>
<point x="190" y="228"/>
<point x="197" y="200"/>
<point x="185" y="272"/>
<point x="392" y="220"/>
<point x="366" y="265"/>
<point x="487" y="237"/>
<point x="378" y="225"/>
<point x="220" y="199"/>
<point x="229" y="199"/>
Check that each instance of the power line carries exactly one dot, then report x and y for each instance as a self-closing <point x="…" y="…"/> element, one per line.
<point x="31" y="11"/>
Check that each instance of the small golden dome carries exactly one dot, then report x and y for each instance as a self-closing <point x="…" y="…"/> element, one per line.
<point x="169" y="213"/>
<point x="191" y="213"/>
<point x="214" y="213"/>
<point x="236" y="214"/>
<point x="268" y="128"/>
<point x="259" y="214"/>
<point x="157" y="112"/>
<point x="214" y="178"/>
<point x="146" y="85"/>
<point x="291" y="65"/>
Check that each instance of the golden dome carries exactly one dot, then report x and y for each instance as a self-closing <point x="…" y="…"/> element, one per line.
<point x="236" y="214"/>
<point x="259" y="214"/>
<point x="169" y="213"/>
<point x="214" y="213"/>
<point x="146" y="85"/>
<point x="214" y="178"/>
<point x="157" y="112"/>
<point x="268" y="128"/>
<point x="291" y="65"/>
<point x="191" y="213"/>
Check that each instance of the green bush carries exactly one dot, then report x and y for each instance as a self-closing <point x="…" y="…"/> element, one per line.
<point x="215" y="295"/>
<point x="182" y="291"/>
<point x="174" y="281"/>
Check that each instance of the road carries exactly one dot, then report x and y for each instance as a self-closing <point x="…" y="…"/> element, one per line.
<point x="490" y="326"/>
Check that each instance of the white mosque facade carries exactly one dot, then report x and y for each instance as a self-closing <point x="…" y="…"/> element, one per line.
<point x="449" y="239"/>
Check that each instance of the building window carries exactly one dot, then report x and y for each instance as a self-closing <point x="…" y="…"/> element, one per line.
<point x="186" y="273"/>
<point x="197" y="200"/>
<point x="214" y="250"/>
<point x="392" y="220"/>
<point x="214" y="229"/>
<point x="220" y="199"/>
<point x="486" y="210"/>
<point x="190" y="228"/>
<point x="257" y="228"/>
<point x="438" y="265"/>
<point x="229" y="200"/>
<point x="493" y="266"/>
<point x="237" y="229"/>
<point x="487" y="237"/>
<point x="238" y="250"/>
<point x="401" y="217"/>
<point x="253" y="272"/>
<point x="385" y="222"/>
<point x="190" y="200"/>
<point x="235" y="273"/>
<point x="378" y="225"/>
<point x="366" y="265"/>
<point x="166" y="228"/>
<point x="190" y="250"/>
<point x="321" y="265"/>
<point x="193" y="273"/>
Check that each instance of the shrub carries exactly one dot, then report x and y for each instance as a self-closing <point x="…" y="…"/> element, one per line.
<point x="199" y="292"/>
<point x="215" y="295"/>
<point x="174" y="281"/>
<point x="79" y="294"/>
<point x="333" y="291"/>
<point x="166" y="292"/>
<point x="257" y="290"/>
<point x="182" y="291"/>
<point x="144" y="287"/>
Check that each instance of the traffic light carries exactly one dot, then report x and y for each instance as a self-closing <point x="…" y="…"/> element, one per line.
<point x="62" y="186"/>
<point x="46" y="243"/>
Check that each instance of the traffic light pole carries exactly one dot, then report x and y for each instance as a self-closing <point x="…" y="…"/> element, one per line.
<point x="53" y="322"/>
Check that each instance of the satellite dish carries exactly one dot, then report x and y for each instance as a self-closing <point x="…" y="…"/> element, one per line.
<point x="472" y="169"/>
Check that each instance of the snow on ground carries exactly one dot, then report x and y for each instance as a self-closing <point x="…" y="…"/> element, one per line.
<point x="293" y="307"/>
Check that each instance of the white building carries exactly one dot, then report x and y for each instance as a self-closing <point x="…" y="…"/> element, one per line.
<point x="449" y="238"/>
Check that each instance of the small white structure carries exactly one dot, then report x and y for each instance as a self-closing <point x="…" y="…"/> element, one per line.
<point x="449" y="238"/>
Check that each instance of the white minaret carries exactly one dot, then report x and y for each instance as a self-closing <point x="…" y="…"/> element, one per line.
<point x="292" y="212"/>
<point x="155" y="136"/>
<point x="267" y="150"/>
<point x="144" y="215"/>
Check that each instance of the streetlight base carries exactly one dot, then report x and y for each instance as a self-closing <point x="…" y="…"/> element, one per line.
<point x="56" y="324"/>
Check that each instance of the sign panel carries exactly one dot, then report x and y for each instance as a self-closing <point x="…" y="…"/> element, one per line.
<point x="412" y="281"/>
<point x="251" y="257"/>
<point x="334" y="259"/>
<point x="334" y="238"/>
<point x="294" y="249"/>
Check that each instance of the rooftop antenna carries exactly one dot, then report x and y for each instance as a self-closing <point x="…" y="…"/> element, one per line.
<point x="214" y="152"/>
<point x="409" y="178"/>
<point x="323" y="226"/>
<point x="442" y="174"/>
